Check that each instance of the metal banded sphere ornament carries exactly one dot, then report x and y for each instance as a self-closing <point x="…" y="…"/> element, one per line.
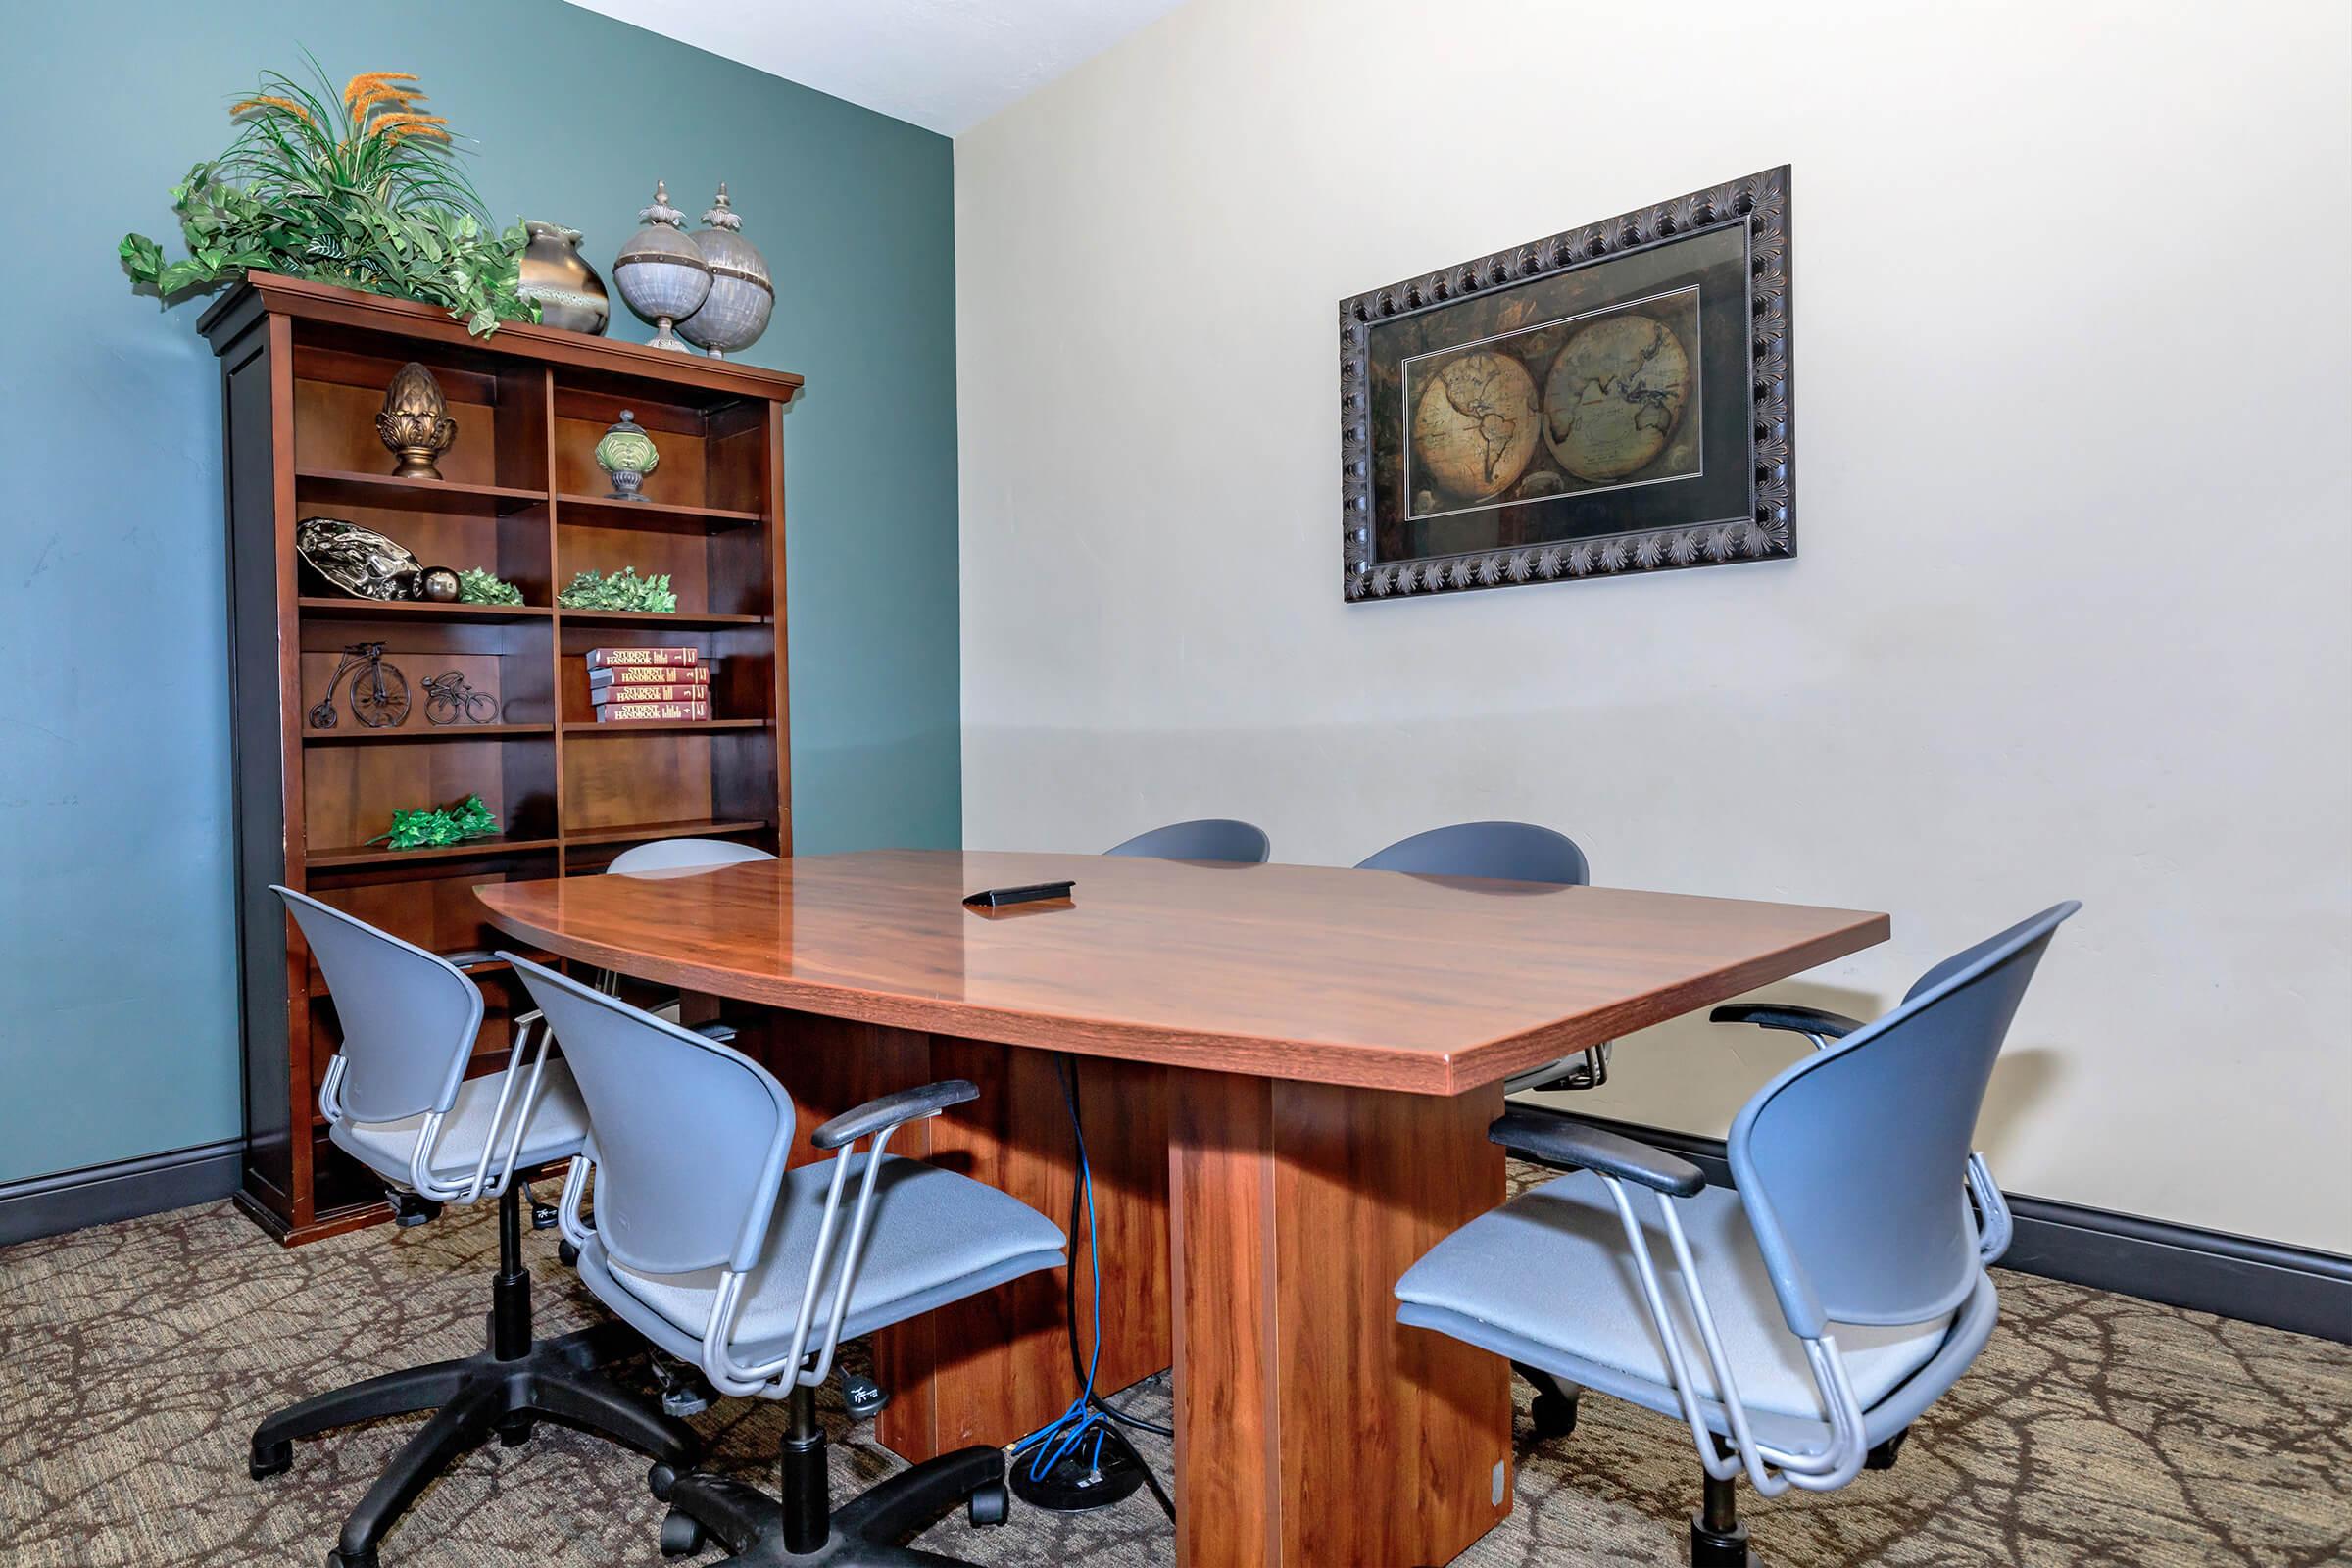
<point x="661" y="273"/>
<point x="627" y="454"/>
<point x="742" y="293"/>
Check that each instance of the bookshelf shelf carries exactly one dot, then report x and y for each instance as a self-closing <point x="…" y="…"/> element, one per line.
<point x="652" y="620"/>
<point x="605" y="512"/>
<point x="641" y="726"/>
<point x="334" y="486"/>
<point x="421" y="730"/>
<point x="378" y="855"/>
<point x="318" y="608"/>
<point x="304" y="369"/>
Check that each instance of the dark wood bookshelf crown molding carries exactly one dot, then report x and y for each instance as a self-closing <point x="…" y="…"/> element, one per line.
<point x="310" y="299"/>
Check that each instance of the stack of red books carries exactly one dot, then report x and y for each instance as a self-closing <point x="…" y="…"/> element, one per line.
<point x="640" y="685"/>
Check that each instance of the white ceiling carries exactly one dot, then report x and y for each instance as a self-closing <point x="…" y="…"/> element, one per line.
<point x="945" y="65"/>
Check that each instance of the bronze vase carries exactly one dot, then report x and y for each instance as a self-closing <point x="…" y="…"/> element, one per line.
<point x="414" y="423"/>
<point x="557" y="277"/>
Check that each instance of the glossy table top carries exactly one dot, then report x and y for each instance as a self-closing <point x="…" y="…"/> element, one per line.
<point x="1373" y="978"/>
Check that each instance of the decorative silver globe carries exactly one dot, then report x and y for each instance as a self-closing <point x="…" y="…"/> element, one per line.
<point x="661" y="273"/>
<point x="742" y="293"/>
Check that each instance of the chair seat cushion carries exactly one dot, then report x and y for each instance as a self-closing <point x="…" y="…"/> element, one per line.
<point x="1549" y="1272"/>
<point x="558" y="1124"/>
<point x="937" y="1238"/>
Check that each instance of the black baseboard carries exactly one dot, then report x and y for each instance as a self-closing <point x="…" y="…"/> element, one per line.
<point x="124" y="1189"/>
<point x="2270" y="1283"/>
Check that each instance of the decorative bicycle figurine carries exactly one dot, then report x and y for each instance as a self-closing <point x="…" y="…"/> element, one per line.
<point x="447" y="699"/>
<point x="378" y="693"/>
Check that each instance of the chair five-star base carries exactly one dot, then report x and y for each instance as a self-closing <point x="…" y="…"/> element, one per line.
<point x="801" y="1528"/>
<point x="506" y="1389"/>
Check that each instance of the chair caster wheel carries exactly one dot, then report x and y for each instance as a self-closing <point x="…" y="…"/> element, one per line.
<point x="659" y="1479"/>
<point x="862" y="1396"/>
<point x="1554" y="1416"/>
<point x="515" y="1433"/>
<point x="409" y="1211"/>
<point x="543" y="1216"/>
<point x="270" y="1459"/>
<point x="991" y="1504"/>
<point x="568" y="1255"/>
<point x="683" y="1535"/>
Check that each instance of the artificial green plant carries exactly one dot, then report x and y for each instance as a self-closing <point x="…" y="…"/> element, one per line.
<point x="478" y="587"/>
<point x="624" y="590"/>
<point x="428" y="828"/>
<point x="357" y="188"/>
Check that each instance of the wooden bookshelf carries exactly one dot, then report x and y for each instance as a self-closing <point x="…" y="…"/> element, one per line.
<point x="304" y="366"/>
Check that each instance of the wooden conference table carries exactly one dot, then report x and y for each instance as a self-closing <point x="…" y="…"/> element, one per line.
<point x="1285" y="1075"/>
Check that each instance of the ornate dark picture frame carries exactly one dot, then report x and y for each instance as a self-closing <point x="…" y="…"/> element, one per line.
<point x="1601" y="534"/>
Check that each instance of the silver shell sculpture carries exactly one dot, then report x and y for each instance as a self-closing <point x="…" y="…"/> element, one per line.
<point x="661" y="273"/>
<point x="359" y="561"/>
<point x="742" y="293"/>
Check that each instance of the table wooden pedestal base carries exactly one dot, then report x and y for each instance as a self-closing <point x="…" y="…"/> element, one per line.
<point x="1312" y="1427"/>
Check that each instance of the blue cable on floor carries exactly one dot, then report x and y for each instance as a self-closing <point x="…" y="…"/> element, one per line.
<point x="1050" y="1444"/>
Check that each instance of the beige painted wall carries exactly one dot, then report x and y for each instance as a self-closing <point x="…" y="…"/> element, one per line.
<point x="2073" y="613"/>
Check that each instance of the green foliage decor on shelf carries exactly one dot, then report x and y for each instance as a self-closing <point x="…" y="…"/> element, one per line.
<point x="429" y="827"/>
<point x="624" y="590"/>
<point x="357" y="188"/>
<point x="478" y="587"/>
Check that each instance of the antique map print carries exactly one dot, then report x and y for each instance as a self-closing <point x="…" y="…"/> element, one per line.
<point x="1555" y="408"/>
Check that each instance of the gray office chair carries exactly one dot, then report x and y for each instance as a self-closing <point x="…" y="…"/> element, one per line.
<point x="396" y="1098"/>
<point x="679" y="854"/>
<point x="681" y="1393"/>
<point x="1209" y="838"/>
<point x="1800" y="1323"/>
<point x="675" y="855"/>
<point x="1505" y="852"/>
<point x="661" y="854"/>
<point x="721" y="1256"/>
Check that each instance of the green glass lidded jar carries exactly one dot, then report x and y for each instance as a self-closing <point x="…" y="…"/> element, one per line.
<point x="627" y="454"/>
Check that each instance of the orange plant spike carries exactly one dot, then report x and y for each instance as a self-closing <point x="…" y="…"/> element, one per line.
<point x="269" y="100"/>
<point x="368" y="80"/>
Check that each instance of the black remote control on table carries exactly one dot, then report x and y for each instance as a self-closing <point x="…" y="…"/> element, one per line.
<point x="1032" y="893"/>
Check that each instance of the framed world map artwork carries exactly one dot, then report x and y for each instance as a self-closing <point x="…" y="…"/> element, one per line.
<point x="1613" y="399"/>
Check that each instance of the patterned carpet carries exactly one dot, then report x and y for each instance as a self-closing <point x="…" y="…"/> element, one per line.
<point x="135" y="1357"/>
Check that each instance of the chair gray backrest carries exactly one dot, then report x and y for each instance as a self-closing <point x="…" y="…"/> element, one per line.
<point x="1507" y="851"/>
<point x="1964" y="957"/>
<point x="1210" y="838"/>
<point x="1853" y="1162"/>
<point x="688" y="1136"/>
<point x="671" y="855"/>
<point x="409" y="1017"/>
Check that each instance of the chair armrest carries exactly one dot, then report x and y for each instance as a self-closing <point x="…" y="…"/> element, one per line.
<point x="1564" y="1141"/>
<point x="890" y="1110"/>
<point x="1790" y="1016"/>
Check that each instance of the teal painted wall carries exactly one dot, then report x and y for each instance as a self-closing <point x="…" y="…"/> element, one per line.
<point x="117" y="1028"/>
